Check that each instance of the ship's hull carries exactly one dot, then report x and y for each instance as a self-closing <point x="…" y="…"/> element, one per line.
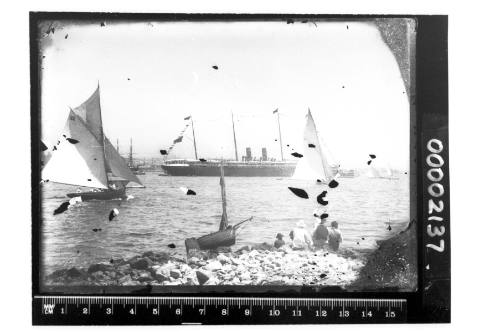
<point x="243" y="170"/>
<point x="99" y="195"/>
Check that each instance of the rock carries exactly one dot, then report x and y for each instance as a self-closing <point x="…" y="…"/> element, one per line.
<point x="145" y="276"/>
<point x="124" y="280"/>
<point x="236" y="261"/>
<point x="123" y="268"/>
<point x="98" y="267"/>
<point x="149" y="254"/>
<point x="141" y="264"/>
<point x="175" y="273"/>
<point x="211" y="282"/>
<point x="245" y="276"/>
<point x="264" y="246"/>
<point x="223" y="259"/>
<point x="243" y="249"/>
<point x="202" y="276"/>
<point x="193" y="260"/>
<point x="213" y="266"/>
<point x="74" y="273"/>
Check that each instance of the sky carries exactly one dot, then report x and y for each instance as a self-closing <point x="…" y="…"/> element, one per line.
<point x="154" y="74"/>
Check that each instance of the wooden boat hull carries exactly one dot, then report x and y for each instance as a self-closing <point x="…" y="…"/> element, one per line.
<point x="99" y="195"/>
<point x="225" y="238"/>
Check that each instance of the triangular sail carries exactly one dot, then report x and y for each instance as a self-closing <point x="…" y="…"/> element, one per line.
<point x="90" y="112"/>
<point x="81" y="163"/>
<point x="117" y="165"/>
<point x="223" y="222"/>
<point x="313" y="165"/>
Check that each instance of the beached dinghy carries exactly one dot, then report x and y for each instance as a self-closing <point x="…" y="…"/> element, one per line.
<point x="85" y="157"/>
<point x="226" y="235"/>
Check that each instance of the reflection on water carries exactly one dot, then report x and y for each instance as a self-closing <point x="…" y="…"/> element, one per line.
<point x="161" y="214"/>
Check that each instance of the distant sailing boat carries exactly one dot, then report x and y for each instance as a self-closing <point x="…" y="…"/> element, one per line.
<point x="389" y="174"/>
<point x="226" y="235"/>
<point x="85" y="157"/>
<point x="313" y="165"/>
<point x="134" y="167"/>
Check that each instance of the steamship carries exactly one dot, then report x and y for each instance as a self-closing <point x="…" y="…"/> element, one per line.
<point x="248" y="166"/>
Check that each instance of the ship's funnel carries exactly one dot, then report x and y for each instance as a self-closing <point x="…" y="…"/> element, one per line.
<point x="248" y="156"/>
<point x="264" y="154"/>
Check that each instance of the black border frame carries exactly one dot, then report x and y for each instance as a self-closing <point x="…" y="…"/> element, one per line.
<point x="429" y="101"/>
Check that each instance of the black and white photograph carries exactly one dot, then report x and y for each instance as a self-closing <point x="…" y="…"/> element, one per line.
<point x="262" y="152"/>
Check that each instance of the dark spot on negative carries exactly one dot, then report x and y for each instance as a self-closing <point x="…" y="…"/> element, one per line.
<point x="321" y="198"/>
<point x="299" y="192"/>
<point x="163" y="152"/>
<point x="63" y="207"/>
<point x="369" y="162"/>
<point x="89" y="180"/>
<point x="171" y="245"/>
<point x="215" y="67"/>
<point x="311" y="145"/>
<point x="333" y="184"/>
<point x="297" y="155"/>
<point x="203" y="160"/>
<point x="72" y="140"/>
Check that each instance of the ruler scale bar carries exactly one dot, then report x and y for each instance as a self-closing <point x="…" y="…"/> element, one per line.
<point x="60" y="310"/>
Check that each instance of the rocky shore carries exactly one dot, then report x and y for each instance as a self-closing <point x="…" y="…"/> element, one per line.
<point x="260" y="265"/>
<point x="393" y="265"/>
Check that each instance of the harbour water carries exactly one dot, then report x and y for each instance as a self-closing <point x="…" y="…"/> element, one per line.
<point x="161" y="214"/>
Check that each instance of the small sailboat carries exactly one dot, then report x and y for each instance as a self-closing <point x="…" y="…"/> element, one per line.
<point x="314" y="163"/>
<point x="226" y="235"/>
<point x="85" y="157"/>
<point x="135" y="167"/>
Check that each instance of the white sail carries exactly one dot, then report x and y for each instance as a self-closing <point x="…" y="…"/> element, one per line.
<point x="79" y="164"/>
<point x="117" y="165"/>
<point x="313" y="165"/>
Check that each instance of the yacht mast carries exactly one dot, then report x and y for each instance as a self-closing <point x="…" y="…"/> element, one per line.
<point x="279" y="129"/>
<point x="194" y="139"/>
<point x="234" y="138"/>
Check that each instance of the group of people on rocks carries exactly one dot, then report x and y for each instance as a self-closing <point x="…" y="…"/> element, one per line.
<point x="323" y="237"/>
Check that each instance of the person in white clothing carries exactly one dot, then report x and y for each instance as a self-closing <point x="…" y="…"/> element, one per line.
<point x="301" y="239"/>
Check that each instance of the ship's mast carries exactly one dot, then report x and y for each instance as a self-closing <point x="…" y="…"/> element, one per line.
<point x="223" y="222"/>
<point x="130" y="159"/>
<point x="117" y="146"/>
<point x="194" y="139"/>
<point x="279" y="130"/>
<point x="234" y="137"/>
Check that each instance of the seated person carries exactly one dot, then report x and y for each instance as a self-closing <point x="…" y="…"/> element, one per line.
<point x="301" y="239"/>
<point x="279" y="241"/>
<point x="334" y="237"/>
<point x="320" y="235"/>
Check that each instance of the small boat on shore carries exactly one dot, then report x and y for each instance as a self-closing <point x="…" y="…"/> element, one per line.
<point x="226" y="235"/>
<point x="85" y="157"/>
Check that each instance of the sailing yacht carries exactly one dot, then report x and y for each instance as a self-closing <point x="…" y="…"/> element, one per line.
<point x="85" y="157"/>
<point x="314" y="163"/>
